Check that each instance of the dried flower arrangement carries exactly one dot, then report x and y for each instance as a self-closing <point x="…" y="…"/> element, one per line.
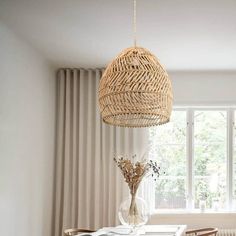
<point x="133" y="172"/>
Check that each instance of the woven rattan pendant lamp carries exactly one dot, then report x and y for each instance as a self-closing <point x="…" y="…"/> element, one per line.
<point x="135" y="90"/>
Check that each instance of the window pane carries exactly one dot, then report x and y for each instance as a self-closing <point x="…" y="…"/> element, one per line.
<point x="168" y="147"/>
<point x="210" y="143"/>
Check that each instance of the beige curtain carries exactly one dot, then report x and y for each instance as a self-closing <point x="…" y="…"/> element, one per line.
<point x="88" y="185"/>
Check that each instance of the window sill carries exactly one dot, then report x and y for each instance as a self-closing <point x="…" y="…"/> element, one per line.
<point x="195" y="219"/>
<point x="193" y="212"/>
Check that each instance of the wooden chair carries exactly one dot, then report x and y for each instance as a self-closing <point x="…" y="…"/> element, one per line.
<point x="203" y="232"/>
<point x="71" y="232"/>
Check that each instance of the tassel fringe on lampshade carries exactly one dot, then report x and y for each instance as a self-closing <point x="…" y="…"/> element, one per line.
<point x="135" y="90"/>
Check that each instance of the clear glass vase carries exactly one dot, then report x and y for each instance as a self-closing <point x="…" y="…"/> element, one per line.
<point x="133" y="212"/>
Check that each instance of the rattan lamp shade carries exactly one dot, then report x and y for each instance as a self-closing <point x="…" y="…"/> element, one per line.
<point x="135" y="90"/>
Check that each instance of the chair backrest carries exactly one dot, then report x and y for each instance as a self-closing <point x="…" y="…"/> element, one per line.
<point x="203" y="232"/>
<point x="71" y="232"/>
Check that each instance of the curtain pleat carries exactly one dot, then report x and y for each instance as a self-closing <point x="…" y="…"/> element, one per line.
<point x="88" y="186"/>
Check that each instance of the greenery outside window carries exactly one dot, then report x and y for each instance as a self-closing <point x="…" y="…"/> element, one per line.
<point x="197" y="152"/>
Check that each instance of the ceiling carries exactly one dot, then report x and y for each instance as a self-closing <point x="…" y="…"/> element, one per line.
<point x="183" y="34"/>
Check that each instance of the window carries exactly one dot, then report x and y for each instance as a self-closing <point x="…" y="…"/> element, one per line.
<point x="197" y="152"/>
<point x="210" y="157"/>
<point x="168" y="146"/>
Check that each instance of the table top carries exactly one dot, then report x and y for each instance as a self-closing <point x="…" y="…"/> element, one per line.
<point x="154" y="230"/>
<point x="165" y="230"/>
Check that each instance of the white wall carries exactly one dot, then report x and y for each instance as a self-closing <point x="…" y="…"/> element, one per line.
<point x="27" y="92"/>
<point x="204" y="88"/>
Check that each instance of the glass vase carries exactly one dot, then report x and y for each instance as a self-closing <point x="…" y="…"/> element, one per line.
<point x="133" y="212"/>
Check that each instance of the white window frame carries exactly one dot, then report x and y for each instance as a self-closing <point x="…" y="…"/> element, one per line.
<point x="230" y="111"/>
